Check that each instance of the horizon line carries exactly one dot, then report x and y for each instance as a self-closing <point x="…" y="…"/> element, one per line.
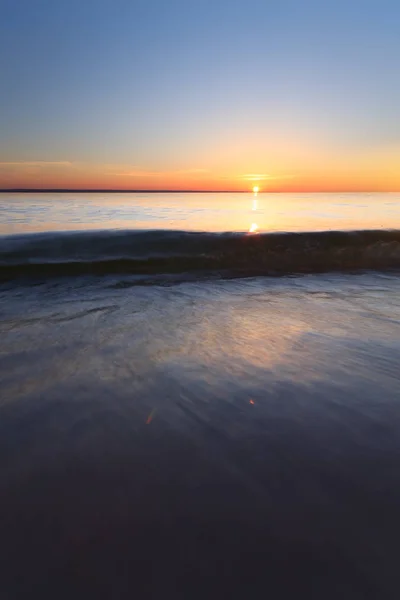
<point x="189" y="191"/>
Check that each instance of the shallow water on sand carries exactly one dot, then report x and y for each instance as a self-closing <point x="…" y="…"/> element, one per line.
<point x="210" y="438"/>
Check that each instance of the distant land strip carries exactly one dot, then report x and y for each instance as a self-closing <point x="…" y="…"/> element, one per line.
<point x="103" y="191"/>
<point x="113" y="191"/>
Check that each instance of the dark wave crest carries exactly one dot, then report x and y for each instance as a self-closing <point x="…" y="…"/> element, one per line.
<point x="166" y="252"/>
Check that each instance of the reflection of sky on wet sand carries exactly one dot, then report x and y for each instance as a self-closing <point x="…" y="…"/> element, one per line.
<point x="262" y="409"/>
<point x="249" y="337"/>
<point x="206" y="339"/>
<point x="207" y="212"/>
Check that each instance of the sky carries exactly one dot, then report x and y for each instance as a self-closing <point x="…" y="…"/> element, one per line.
<point x="200" y="94"/>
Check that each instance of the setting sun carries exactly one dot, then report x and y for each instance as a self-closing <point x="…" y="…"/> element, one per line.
<point x="256" y="189"/>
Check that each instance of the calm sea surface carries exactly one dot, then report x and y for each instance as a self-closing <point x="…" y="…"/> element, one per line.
<point x="178" y="421"/>
<point x="22" y="213"/>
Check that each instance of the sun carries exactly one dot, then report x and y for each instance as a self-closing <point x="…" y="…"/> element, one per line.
<point x="256" y="189"/>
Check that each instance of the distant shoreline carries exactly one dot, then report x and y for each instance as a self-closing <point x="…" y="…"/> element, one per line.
<point x="249" y="191"/>
<point x="53" y="190"/>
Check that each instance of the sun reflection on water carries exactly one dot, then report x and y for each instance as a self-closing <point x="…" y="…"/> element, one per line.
<point x="254" y="226"/>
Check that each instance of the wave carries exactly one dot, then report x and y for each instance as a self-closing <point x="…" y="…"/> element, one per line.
<point x="172" y="252"/>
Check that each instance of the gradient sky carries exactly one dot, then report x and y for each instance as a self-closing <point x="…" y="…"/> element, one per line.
<point x="200" y="94"/>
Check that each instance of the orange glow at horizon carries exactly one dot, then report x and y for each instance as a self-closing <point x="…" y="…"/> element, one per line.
<point x="313" y="172"/>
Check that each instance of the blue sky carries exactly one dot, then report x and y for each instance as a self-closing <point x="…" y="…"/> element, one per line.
<point x="214" y="87"/>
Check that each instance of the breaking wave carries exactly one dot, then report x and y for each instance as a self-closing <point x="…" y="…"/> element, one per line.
<point x="168" y="252"/>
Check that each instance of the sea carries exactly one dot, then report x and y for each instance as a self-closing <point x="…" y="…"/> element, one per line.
<point x="200" y="396"/>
